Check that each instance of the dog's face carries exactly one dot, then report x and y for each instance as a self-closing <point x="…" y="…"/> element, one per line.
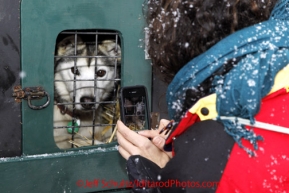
<point x="139" y="108"/>
<point x="86" y="81"/>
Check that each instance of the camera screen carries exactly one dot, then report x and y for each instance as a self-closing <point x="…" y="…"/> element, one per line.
<point x="135" y="112"/>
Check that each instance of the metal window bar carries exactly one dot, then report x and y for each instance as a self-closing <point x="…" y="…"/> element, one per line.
<point x="95" y="85"/>
<point x="115" y="79"/>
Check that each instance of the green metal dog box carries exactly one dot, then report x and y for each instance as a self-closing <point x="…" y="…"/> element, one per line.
<point x="30" y="160"/>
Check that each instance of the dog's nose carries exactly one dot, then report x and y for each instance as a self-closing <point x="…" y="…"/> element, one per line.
<point x="87" y="102"/>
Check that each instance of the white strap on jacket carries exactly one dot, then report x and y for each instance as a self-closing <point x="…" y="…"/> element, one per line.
<point x="258" y="124"/>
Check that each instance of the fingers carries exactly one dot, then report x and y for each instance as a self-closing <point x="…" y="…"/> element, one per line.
<point x="165" y="131"/>
<point x="159" y="141"/>
<point x="157" y="138"/>
<point x="154" y="133"/>
<point x="123" y="153"/>
<point x="130" y="135"/>
<point x="126" y="148"/>
<point x="163" y="123"/>
<point x="131" y="143"/>
<point x="149" y="133"/>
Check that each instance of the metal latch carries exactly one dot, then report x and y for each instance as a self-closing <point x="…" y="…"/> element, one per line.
<point x="31" y="93"/>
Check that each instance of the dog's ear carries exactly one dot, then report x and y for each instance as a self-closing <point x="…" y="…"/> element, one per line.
<point x="66" y="47"/>
<point x="110" y="48"/>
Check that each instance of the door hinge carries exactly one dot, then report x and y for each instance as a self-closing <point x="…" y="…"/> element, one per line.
<point x="31" y="93"/>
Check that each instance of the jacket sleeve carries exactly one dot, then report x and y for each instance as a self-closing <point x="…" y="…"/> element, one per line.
<point x="143" y="174"/>
<point x="201" y="154"/>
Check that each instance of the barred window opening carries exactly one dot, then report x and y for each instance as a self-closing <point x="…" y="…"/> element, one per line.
<point x="86" y="83"/>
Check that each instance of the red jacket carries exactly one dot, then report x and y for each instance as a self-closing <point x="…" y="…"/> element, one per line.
<point x="268" y="171"/>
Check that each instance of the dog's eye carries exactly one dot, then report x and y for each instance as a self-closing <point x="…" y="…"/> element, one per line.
<point x="100" y="73"/>
<point x="75" y="71"/>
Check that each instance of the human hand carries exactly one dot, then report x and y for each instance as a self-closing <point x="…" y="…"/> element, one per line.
<point x="131" y="143"/>
<point x="158" y="138"/>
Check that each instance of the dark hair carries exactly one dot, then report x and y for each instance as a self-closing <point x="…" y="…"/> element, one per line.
<point x="179" y="30"/>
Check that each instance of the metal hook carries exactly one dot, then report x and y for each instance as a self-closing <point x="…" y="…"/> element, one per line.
<point x="29" y="98"/>
<point x="31" y="93"/>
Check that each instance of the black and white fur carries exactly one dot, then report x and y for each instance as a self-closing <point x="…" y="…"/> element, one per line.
<point x="87" y="93"/>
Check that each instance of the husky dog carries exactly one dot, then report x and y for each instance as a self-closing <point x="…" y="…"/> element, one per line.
<point x="139" y="106"/>
<point x="135" y="109"/>
<point x="82" y="83"/>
